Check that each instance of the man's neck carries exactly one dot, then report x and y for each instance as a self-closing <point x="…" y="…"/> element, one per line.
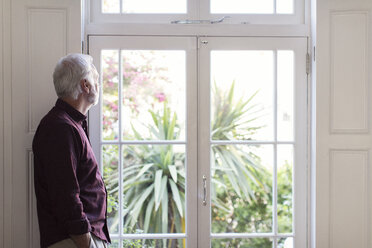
<point x="79" y="104"/>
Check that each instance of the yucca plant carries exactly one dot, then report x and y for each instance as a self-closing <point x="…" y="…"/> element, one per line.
<point x="154" y="175"/>
<point x="154" y="180"/>
<point x="234" y="119"/>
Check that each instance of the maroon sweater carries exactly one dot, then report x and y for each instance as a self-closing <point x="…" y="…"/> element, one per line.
<point x="71" y="196"/>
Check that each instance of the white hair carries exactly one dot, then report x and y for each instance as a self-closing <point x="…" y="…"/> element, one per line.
<point x="68" y="73"/>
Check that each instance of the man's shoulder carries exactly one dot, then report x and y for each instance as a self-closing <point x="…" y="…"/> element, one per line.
<point x="55" y="122"/>
<point x="56" y="117"/>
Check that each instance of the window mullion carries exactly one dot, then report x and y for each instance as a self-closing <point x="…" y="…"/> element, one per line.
<point x="120" y="147"/>
<point x="275" y="169"/>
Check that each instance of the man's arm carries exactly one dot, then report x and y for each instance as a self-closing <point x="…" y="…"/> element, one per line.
<point x="61" y="160"/>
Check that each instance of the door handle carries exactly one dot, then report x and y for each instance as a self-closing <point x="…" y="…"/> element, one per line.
<point x="204" y="190"/>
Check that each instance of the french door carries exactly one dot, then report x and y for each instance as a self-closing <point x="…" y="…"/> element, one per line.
<point x="252" y="142"/>
<point x="202" y="141"/>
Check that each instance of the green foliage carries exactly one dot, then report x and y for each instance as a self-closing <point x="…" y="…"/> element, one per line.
<point x="110" y="156"/>
<point x="242" y="243"/>
<point x="233" y="167"/>
<point x="154" y="180"/>
<point x="241" y="192"/>
<point x="242" y="187"/>
<point x="233" y="119"/>
<point x="285" y="198"/>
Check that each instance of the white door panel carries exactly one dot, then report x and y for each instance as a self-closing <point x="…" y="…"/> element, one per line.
<point x="343" y="139"/>
<point x="41" y="32"/>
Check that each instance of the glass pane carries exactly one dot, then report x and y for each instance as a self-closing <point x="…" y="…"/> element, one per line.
<point x="242" y="6"/>
<point x="244" y="243"/>
<point x="114" y="244"/>
<point x="154" y="243"/>
<point x="110" y="154"/>
<point x="285" y="188"/>
<point x="285" y="242"/>
<point x="284" y="6"/>
<point x="110" y="94"/>
<point x="285" y="95"/>
<point x="155" y="7"/>
<point x="241" y="189"/>
<point x="110" y="6"/>
<point x="154" y="95"/>
<point x="242" y="95"/>
<point x="154" y="189"/>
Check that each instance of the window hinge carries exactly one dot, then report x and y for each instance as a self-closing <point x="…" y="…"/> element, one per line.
<point x="308" y="63"/>
<point x="82" y="46"/>
<point x="314" y="53"/>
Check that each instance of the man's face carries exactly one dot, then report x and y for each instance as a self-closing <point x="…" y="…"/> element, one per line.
<point x="94" y="92"/>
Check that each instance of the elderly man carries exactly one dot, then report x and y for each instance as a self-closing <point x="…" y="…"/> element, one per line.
<point x="71" y="196"/>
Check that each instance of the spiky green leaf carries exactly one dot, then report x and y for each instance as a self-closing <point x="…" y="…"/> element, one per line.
<point x="176" y="197"/>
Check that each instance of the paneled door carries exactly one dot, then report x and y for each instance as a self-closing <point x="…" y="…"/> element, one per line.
<point x="40" y="32"/>
<point x="342" y="137"/>
<point x="202" y="141"/>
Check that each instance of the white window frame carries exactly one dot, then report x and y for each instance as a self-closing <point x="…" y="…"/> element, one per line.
<point x="195" y="173"/>
<point x="258" y="25"/>
<point x="200" y="10"/>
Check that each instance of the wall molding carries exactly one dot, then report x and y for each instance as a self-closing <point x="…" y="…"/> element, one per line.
<point x="32" y="222"/>
<point x="30" y="198"/>
<point x="32" y="62"/>
<point x="363" y="126"/>
<point x="364" y="228"/>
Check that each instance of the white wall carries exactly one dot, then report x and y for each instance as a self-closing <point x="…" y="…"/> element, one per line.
<point x="5" y="123"/>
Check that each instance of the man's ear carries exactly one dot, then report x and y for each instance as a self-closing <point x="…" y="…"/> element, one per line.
<point x="84" y="84"/>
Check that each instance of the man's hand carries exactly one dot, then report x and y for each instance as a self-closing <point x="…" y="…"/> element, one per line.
<point x="81" y="241"/>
